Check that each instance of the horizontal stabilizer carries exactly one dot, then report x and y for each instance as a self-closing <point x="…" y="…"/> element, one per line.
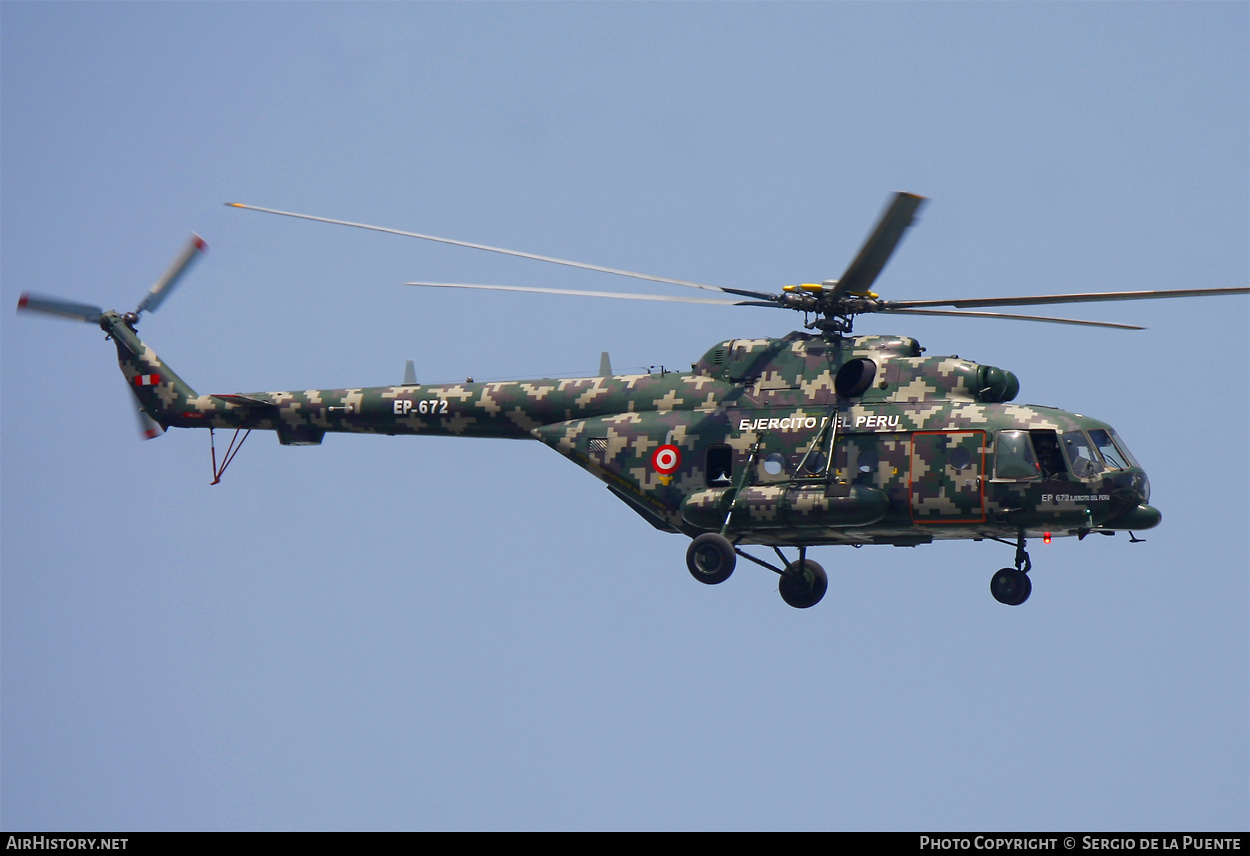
<point x="245" y="400"/>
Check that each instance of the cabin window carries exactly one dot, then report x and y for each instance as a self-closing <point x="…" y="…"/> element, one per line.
<point x="775" y="464"/>
<point x="815" y="465"/>
<point x="862" y="459"/>
<point x="1014" y="457"/>
<point x="719" y="465"/>
<point x="1080" y="455"/>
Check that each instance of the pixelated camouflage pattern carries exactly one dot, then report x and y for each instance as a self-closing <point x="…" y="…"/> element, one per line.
<point x="912" y="458"/>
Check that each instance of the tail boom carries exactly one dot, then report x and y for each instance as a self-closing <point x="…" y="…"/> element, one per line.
<point x="506" y="410"/>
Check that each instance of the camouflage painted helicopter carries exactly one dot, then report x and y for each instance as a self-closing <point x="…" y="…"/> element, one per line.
<point x="809" y="439"/>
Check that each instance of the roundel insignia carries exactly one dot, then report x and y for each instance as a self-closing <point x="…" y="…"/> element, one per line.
<point x="666" y="459"/>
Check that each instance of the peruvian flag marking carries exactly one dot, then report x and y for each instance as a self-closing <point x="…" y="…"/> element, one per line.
<point x="666" y="459"/>
<point x="147" y="379"/>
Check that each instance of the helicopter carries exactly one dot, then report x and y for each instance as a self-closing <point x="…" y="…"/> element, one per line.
<point x="811" y="439"/>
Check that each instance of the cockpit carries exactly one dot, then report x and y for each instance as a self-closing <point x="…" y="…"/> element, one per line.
<point x="1023" y="455"/>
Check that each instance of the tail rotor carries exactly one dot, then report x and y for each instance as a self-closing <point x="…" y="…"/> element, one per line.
<point x="155" y="296"/>
<point x="149" y="428"/>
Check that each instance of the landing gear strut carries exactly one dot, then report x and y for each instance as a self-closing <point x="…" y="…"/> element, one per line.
<point x="1012" y="586"/>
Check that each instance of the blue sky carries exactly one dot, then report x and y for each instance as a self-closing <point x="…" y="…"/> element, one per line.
<point x="438" y="633"/>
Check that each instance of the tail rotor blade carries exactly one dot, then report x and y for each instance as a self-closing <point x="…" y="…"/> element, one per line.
<point x="170" y="278"/>
<point x="149" y="428"/>
<point x="63" y="308"/>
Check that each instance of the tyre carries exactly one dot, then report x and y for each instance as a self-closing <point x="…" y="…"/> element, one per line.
<point x="1011" y="586"/>
<point x="803" y="584"/>
<point x="711" y="558"/>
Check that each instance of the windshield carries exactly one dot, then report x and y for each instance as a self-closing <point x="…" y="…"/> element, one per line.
<point x="1081" y="458"/>
<point x="1106" y="447"/>
<point x="1113" y="450"/>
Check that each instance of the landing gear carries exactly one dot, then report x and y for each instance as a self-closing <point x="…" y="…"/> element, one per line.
<point x="803" y="584"/>
<point x="1011" y="586"/>
<point x="711" y="558"/>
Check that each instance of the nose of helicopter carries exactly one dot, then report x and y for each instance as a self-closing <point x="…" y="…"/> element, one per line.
<point x="1133" y="483"/>
<point x="1130" y="490"/>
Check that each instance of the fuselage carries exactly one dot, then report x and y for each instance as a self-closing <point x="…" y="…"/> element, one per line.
<point x="798" y="440"/>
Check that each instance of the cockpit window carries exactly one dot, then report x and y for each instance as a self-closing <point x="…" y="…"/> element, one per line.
<point x="1081" y="457"/>
<point x="1014" y="457"/>
<point x="1119" y="444"/>
<point x="1049" y="458"/>
<point x="1111" y="454"/>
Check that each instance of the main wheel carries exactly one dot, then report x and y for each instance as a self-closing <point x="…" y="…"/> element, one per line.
<point x="711" y="558"/>
<point x="1011" y="586"/>
<point x="803" y="584"/>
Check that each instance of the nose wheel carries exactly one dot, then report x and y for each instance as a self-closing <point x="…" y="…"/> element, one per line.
<point x="1012" y="586"/>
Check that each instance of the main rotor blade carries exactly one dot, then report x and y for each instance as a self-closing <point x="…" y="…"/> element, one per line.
<point x="892" y="311"/>
<point x="1096" y="297"/>
<point x="614" y="294"/>
<point x="160" y="290"/>
<point x="491" y="249"/>
<point x="880" y="245"/>
<point x="63" y="308"/>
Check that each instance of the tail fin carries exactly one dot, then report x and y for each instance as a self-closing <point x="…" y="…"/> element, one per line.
<point x="164" y="396"/>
